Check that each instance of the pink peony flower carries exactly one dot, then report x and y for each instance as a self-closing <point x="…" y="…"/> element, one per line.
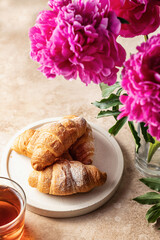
<point x="143" y="16"/>
<point x="54" y="4"/>
<point x="141" y="80"/>
<point x="78" y="38"/>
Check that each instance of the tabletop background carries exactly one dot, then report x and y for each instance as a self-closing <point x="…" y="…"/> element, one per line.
<point x="27" y="96"/>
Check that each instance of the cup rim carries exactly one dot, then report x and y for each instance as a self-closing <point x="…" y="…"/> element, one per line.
<point x="24" y="203"/>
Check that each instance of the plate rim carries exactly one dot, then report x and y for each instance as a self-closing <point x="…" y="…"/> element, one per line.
<point x="61" y="213"/>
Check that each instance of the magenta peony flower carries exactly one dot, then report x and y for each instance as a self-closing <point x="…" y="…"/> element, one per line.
<point x="78" y="38"/>
<point x="143" y="16"/>
<point x="54" y="4"/>
<point x="141" y="80"/>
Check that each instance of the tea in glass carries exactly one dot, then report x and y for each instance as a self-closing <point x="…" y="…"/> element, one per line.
<point x="12" y="209"/>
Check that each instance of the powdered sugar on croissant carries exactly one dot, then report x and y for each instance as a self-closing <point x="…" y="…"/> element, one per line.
<point x="83" y="149"/>
<point x="67" y="177"/>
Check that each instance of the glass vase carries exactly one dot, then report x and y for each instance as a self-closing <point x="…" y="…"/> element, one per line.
<point x="148" y="157"/>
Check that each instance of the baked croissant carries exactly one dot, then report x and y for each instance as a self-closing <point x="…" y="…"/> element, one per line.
<point x="50" y="141"/>
<point x="65" y="155"/>
<point x="83" y="149"/>
<point x="67" y="177"/>
<point x="20" y="144"/>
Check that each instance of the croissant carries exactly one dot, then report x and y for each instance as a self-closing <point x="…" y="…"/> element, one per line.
<point x="65" y="155"/>
<point x="20" y="144"/>
<point x="83" y="149"/>
<point x="67" y="177"/>
<point x="50" y="141"/>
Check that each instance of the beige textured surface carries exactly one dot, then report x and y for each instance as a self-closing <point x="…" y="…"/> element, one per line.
<point x="27" y="96"/>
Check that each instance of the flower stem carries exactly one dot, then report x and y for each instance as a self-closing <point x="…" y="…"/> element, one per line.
<point x="152" y="149"/>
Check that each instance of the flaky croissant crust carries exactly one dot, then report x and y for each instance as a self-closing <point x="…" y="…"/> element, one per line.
<point x="67" y="177"/>
<point x="50" y="141"/>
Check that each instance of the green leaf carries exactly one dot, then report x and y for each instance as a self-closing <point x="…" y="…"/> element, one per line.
<point x="107" y="113"/>
<point x="122" y="20"/>
<point x="153" y="213"/>
<point x="153" y="183"/>
<point x="107" y="90"/>
<point x="115" y="108"/>
<point x="111" y="101"/>
<point x="148" y="198"/>
<point x="152" y="149"/>
<point x="119" y="124"/>
<point x="151" y="198"/>
<point x="146" y="135"/>
<point x="135" y="135"/>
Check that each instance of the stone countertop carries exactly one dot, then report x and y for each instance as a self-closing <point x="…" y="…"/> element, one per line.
<point x="27" y="96"/>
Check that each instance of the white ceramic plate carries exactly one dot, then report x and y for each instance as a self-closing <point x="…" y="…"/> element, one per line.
<point x="108" y="157"/>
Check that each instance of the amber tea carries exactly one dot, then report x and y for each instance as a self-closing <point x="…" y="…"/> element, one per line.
<point x="12" y="210"/>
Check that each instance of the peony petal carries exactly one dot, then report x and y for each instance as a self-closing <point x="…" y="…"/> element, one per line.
<point x="78" y="37"/>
